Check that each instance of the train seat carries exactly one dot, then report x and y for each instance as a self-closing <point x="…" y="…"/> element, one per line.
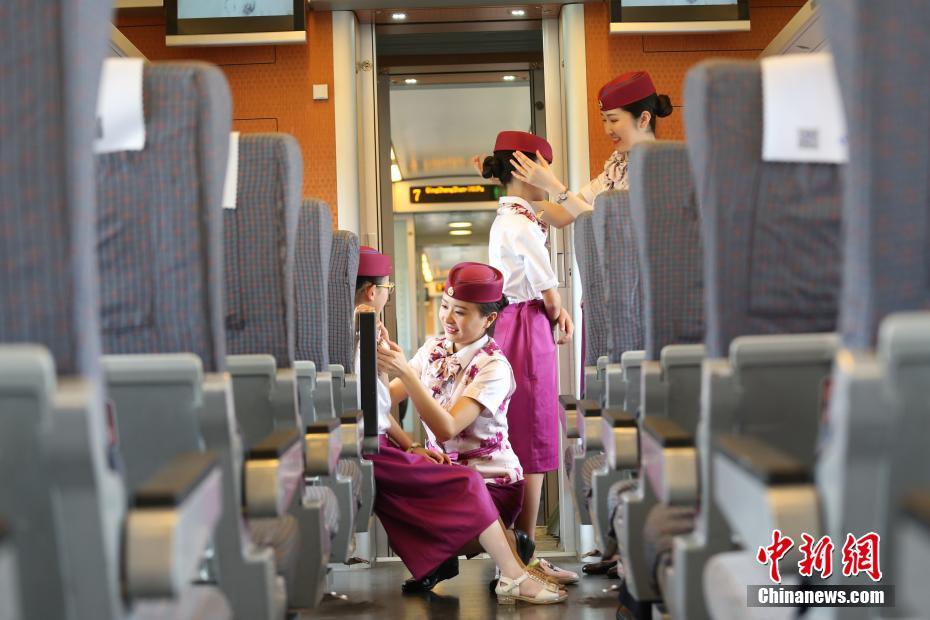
<point x="619" y="263"/>
<point x="872" y="457"/>
<point x="312" y="307"/>
<point x="767" y="387"/>
<point x="161" y="261"/>
<point x="260" y="237"/>
<point x="80" y="552"/>
<point x="595" y="322"/>
<point x="666" y="222"/>
<point x="582" y="462"/>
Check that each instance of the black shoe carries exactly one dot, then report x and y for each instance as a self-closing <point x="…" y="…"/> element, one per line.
<point x="526" y="547"/>
<point x="446" y="570"/>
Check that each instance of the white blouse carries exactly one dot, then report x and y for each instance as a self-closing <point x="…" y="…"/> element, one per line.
<point x="517" y="247"/>
<point x="481" y="372"/>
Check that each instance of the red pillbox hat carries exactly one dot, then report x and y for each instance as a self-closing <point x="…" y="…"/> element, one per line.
<point x="522" y="141"/>
<point x="475" y="282"/>
<point x="372" y="263"/>
<point x="625" y="89"/>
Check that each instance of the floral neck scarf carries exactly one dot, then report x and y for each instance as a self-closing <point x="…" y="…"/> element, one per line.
<point x="614" y="175"/>
<point x="444" y="366"/>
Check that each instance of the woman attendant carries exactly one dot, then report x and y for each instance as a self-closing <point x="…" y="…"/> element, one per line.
<point x="519" y="249"/>
<point x="629" y="107"/>
<point x="430" y="509"/>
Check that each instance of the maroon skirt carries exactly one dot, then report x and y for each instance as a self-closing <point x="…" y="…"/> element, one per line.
<point x="508" y="498"/>
<point x="524" y="333"/>
<point x="429" y="511"/>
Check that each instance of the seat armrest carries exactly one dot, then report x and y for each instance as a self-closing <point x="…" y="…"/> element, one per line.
<point x="783" y="349"/>
<point x="667" y="433"/>
<point x="350" y="393"/>
<point x="251" y="365"/>
<point x="614" y="386"/>
<point x="569" y="406"/>
<point x="338" y="374"/>
<point x="172" y="520"/>
<point x="632" y="359"/>
<point x="273" y="474"/>
<point x="653" y="389"/>
<point x="322" y="446"/>
<point x="352" y="433"/>
<point x="670" y="461"/>
<point x="593" y="383"/>
<point x="759" y="489"/>
<point x="173" y="484"/>
<point x="632" y="363"/>
<point x="589" y="425"/>
<point x="762" y="461"/>
<point x="284" y="399"/>
<point x="620" y="438"/>
<point x="682" y="355"/>
<point x="152" y="369"/>
<point x="305" y="377"/>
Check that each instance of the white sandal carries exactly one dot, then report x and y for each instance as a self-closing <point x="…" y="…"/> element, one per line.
<point x="508" y="591"/>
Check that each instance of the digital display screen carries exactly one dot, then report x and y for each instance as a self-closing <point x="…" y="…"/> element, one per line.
<point x="225" y="17"/>
<point x="622" y="11"/>
<point x="207" y="9"/>
<point x="453" y="193"/>
<point x="675" y="2"/>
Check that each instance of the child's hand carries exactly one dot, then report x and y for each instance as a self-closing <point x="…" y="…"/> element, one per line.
<point x="566" y="327"/>
<point x="440" y="458"/>
<point x="391" y="360"/>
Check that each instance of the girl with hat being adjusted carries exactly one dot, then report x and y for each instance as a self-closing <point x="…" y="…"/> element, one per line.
<point x="431" y="509"/>
<point x="518" y="247"/>
<point x="629" y="107"/>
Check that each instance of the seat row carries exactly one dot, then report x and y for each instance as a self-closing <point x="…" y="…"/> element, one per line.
<point x="174" y="440"/>
<point x="749" y="368"/>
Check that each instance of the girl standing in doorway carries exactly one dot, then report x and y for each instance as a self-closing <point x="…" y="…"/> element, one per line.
<point x="518" y="247"/>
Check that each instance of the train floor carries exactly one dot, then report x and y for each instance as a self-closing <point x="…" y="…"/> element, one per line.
<point x="374" y="594"/>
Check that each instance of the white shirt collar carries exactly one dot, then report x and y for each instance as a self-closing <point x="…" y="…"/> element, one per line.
<point x="503" y="201"/>
<point x="466" y="353"/>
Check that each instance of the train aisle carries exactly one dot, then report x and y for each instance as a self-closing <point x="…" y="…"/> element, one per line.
<point x="374" y="594"/>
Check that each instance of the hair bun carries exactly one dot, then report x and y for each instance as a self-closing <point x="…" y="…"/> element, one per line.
<point x="664" y="106"/>
<point x="491" y="168"/>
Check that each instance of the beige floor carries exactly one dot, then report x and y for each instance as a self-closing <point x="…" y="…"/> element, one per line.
<point x="374" y="594"/>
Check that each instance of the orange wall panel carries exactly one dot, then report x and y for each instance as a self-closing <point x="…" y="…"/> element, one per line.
<point x="272" y="90"/>
<point x="667" y="58"/>
<point x="255" y="125"/>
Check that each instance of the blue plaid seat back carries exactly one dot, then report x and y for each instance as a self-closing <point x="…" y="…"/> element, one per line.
<point x="260" y="236"/>
<point x="592" y="283"/>
<point x="51" y="52"/>
<point x="160" y="220"/>
<point x="623" y="296"/>
<point x="886" y="217"/>
<point x="343" y="270"/>
<point x="667" y="223"/>
<point x="771" y="231"/>
<point x="311" y="279"/>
